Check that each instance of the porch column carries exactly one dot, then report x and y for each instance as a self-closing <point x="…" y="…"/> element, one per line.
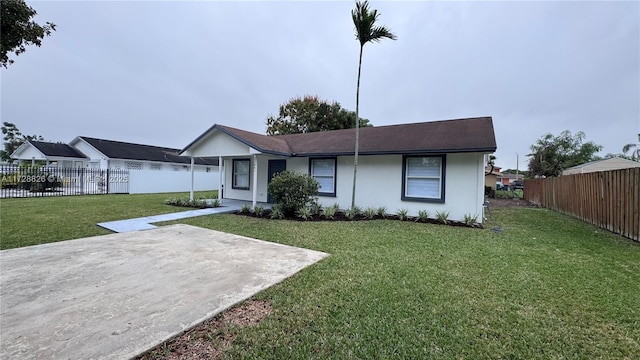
<point x="191" y="191"/>
<point x="255" y="179"/>
<point x="220" y="178"/>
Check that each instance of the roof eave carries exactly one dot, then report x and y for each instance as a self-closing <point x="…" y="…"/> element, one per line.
<point x="398" y="152"/>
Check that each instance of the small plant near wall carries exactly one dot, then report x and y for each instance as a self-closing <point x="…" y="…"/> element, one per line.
<point x="442" y="216"/>
<point x="216" y="203"/>
<point x="276" y="212"/>
<point x="382" y="212"/>
<point x="402" y="214"/>
<point x="352" y="212"/>
<point x="315" y="207"/>
<point x="470" y="220"/>
<point x="258" y="210"/>
<point x="370" y="213"/>
<point x="330" y="212"/>
<point x="245" y="209"/>
<point x="196" y="203"/>
<point x="423" y="216"/>
<point x="304" y="213"/>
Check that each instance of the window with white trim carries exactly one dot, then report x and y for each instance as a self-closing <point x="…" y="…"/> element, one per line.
<point x="241" y="174"/>
<point x="423" y="178"/>
<point x="133" y="165"/>
<point x="324" y="171"/>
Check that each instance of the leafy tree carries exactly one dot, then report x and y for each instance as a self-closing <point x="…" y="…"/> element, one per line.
<point x="292" y="191"/>
<point x="13" y="138"/>
<point x="634" y="148"/>
<point x="366" y="31"/>
<point x="310" y="114"/>
<point x="552" y="154"/>
<point x="18" y="30"/>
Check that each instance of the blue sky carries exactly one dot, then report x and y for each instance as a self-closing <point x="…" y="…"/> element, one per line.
<point x="162" y="72"/>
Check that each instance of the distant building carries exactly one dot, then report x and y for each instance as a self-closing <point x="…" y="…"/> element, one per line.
<point x="615" y="163"/>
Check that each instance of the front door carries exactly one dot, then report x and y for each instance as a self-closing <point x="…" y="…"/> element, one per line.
<point x="275" y="167"/>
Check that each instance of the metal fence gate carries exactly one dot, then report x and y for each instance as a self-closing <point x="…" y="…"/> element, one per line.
<point x="53" y="181"/>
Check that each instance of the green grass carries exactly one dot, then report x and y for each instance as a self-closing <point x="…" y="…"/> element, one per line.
<point x="33" y="221"/>
<point x="546" y="287"/>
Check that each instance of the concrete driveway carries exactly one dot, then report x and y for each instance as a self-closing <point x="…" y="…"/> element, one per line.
<point x="116" y="296"/>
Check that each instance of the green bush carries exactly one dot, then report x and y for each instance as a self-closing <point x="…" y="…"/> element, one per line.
<point x="293" y="191"/>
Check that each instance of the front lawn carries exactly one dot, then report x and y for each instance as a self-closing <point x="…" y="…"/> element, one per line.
<point x="40" y="220"/>
<point x="546" y="286"/>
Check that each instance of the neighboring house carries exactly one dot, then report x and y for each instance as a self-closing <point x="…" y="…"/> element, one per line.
<point x="491" y="176"/>
<point x="152" y="168"/>
<point x="507" y="179"/>
<point x="434" y="166"/>
<point x="109" y="154"/>
<point x="52" y="153"/>
<point x="614" y="163"/>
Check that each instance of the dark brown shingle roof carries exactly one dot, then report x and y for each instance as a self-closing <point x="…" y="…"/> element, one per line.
<point x="56" y="149"/>
<point x="445" y="136"/>
<point x="130" y="151"/>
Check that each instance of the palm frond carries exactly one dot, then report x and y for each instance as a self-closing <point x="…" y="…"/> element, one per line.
<point x="626" y="148"/>
<point x="364" y="21"/>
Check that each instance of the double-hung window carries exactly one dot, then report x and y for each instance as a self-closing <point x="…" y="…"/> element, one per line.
<point x="324" y="171"/>
<point x="241" y="173"/>
<point x="423" y="178"/>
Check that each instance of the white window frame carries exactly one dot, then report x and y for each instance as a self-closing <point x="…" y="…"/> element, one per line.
<point x="440" y="198"/>
<point x="333" y="176"/>
<point x="235" y="174"/>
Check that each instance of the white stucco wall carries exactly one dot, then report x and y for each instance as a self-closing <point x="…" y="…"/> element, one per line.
<point x="154" y="181"/>
<point x="91" y="153"/>
<point x="28" y="152"/>
<point x="380" y="184"/>
<point x="219" y="144"/>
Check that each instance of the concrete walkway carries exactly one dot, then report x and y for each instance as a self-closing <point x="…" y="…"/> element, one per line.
<point x="144" y="223"/>
<point x="118" y="295"/>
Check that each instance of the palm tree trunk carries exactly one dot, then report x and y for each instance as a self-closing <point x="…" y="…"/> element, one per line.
<point x="355" y="156"/>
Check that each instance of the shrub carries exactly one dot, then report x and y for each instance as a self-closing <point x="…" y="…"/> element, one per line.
<point x="382" y="212"/>
<point x="402" y="214"/>
<point x="423" y="215"/>
<point x="442" y="216"/>
<point x="216" y="203"/>
<point x="198" y="203"/>
<point x="293" y="190"/>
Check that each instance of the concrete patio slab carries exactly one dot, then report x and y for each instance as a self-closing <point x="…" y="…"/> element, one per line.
<point x="116" y="296"/>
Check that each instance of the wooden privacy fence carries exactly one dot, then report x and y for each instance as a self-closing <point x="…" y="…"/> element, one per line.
<point x="608" y="199"/>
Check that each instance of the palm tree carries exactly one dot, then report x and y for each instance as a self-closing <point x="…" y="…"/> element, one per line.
<point x="366" y="31"/>
<point x="635" y="154"/>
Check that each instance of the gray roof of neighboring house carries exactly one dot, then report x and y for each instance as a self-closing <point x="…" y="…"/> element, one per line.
<point x="56" y="149"/>
<point x="130" y="151"/>
<point x="445" y="136"/>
